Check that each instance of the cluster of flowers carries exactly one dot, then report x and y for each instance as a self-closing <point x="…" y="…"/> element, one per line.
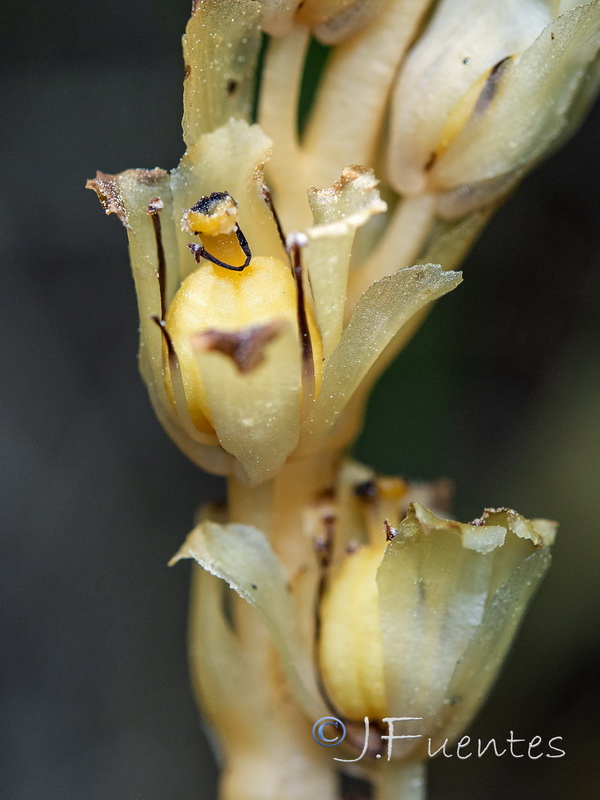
<point x="267" y="310"/>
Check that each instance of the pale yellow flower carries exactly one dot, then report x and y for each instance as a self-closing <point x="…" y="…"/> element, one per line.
<point x="414" y="612"/>
<point x="250" y="352"/>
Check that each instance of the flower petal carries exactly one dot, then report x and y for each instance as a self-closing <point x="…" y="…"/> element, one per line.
<point x="383" y="309"/>
<point x="254" y="721"/>
<point x="337" y="213"/>
<point x="128" y="195"/>
<point x="451" y="596"/>
<point x="218" y="671"/>
<point x="496" y="633"/>
<point x="531" y="111"/>
<point x="242" y="556"/>
<point x="461" y="43"/>
<point x="256" y="413"/>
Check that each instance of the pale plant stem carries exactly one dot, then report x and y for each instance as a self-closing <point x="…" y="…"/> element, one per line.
<point x="402" y="780"/>
<point x="272" y="755"/>
<point x="279" y="507"/>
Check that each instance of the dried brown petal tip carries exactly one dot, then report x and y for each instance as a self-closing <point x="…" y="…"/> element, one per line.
<point x="107" y="188"/>
<point x="390" y="532"/>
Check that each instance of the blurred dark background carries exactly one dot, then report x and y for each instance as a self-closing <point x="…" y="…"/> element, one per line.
<point x="500" y="391"/>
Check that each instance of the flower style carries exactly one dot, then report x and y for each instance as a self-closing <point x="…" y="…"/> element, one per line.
<point x="410" y="605"/>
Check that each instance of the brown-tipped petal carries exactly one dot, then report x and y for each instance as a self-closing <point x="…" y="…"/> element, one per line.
<point x="338" y="212"/>
<point x="129" y="194"/>
<point x="108" y="191"/>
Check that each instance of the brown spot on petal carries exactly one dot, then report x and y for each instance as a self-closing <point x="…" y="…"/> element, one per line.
<point x="431" y="161"/>
<point x="366" y="490"/>
<point x="491" y="86"/>
<point x="327" y="495"/>
<point x="245" y="347"/>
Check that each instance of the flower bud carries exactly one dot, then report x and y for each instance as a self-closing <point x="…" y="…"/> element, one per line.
<point x="486" y="91"/>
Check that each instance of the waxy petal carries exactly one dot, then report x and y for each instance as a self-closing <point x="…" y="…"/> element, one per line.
<point x="338" y="212"/>
<point x="463" y="41"/>
<point x="242" y="556"/>
<point x="256" y="414"/>
<point x="451" y="596"/>
<point x="129" y="195"/>
<point x="379" y="315"/>
<point x="539" y="100"/>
